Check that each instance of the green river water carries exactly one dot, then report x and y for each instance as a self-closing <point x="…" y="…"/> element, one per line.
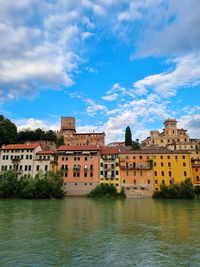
<point x="88" y="232"/>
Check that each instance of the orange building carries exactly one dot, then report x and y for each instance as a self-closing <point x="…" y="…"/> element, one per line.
<point x="196" y="172"/>
<point x="80" y="167"/>
<point x="135" y="173"/>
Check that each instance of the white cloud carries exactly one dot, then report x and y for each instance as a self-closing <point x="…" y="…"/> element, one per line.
<point x="33" y="124"/>
<point x="185" y="74"/>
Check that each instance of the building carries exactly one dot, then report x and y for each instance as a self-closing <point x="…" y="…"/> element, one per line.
<point x="44" y="161"/>
<point x="196" y="172"/>
<point x="19" y="157"/>
<point x="171" y="135"/>
<point x="71" y="137"/>
<point x="170" y="167"/>
<point x="80" y="167"/>
<point x="109" y="166"/>
<point x="136" y="174"/>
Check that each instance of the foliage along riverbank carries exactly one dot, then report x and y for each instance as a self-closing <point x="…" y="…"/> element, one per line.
<point x="43" y="186"/>
<point x="183" y="190"/>
<point x="106" y="191"/>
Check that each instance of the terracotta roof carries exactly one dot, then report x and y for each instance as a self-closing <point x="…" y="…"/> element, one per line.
<point x="78" y="148"/>
<point x="89" y="133"/>
<point x="20" y="146"/>
<point x="45" y="152"/>
<point x="155" y="151"/>
<point x="110" y="150"/>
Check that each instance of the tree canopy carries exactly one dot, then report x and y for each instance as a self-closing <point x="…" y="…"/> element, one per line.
<point x="8" y="131"/>
<point x="128" y="137"/>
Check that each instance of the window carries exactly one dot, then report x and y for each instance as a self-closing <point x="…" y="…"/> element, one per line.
<point x="46" y="167"/>
<point x="176" y="157"/>
<point x="168" y="157"/>
<point x="197" y="178"/>
<point x="78" y="174"/>
<point x="183" y="157"/>
<point x="26" y="168"/>
<point x="134" y="181"/>
<point x="184" y="164"/>
<point x="74" y="158"/>
<point x="154" y="164"/>
<point x="26" y="156"/>
<point x="66" y="174"/>
<point x="117" y="172"/>
<point x="101" y="164"/>
<point x="161" y="157"/>
<point x="140" y="173"/>
<point x="134" y="173"/>
<point x="91" y="167"/>
<point x="170" y="174"/>
<point x="85" y="158"/>
<point x="91" y="174"/>
<point x="37" y="168"/>
<point x="78" y="158"/>
<point x="75" y="184"/>
<point x="4" y="157"/>
<point x="148" y="181"/>
<point x="169" y="164"/>
<point x="22" y="156"/>
<point x="31" y="157"/>
<point x="85" y="184"/>
<point x="185" y="173"/>
<point x="85" y="174"/>
<point x="140" y="157"/>
<point x="161" y="164"/>
<point x="117" y="164"/>
<point x="162" y="173"/>
<point x="163" y="181"/>
<point x="156" y="181"/>
<point x="29" y="167"/>
<point x="7" y="157"/>
<point x="124" y="181"/>
<point x="74" y="174"/>
<point x="63" y="158"/>
<point x="155" y="173"/>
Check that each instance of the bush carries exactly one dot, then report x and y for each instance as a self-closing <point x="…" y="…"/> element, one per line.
<point x="43" y="186"/>
<point x="106" y="191"/>
<point x="183" y="190"/>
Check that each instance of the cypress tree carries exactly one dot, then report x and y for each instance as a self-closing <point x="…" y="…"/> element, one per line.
<point x="128" y="137"/>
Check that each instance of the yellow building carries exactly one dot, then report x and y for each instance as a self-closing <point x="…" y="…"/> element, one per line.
<point x="142" y="172"/>
<point x="170" y="166"/>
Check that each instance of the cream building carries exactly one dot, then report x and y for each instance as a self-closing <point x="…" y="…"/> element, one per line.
<point x="109" y="166"/>
<point x="171" y="137"/>
<point x="25" y="159"/>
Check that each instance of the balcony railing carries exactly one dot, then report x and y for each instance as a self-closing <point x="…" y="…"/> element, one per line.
<point x="136" y="167"/>
<point x="15" y="160"/>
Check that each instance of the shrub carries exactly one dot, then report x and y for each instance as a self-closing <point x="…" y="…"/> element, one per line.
<point x="106" y="191"/>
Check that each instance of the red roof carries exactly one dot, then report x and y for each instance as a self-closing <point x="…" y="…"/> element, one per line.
<point x="78" y="148"/>
<point x="110" y="150"/>
<point x="20" y="146"/>
<point x="45" y="152"/>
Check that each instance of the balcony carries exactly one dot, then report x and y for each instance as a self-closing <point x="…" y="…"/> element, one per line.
<point x="16" y="160"/>
<point x="136" y="167"/>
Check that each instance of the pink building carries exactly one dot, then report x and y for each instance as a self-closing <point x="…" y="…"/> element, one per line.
<point x="80" y="167"/>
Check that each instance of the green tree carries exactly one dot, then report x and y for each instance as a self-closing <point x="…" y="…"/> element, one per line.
<point x="8" y="184"/>
<point x="8" y="131"/>
<point x="128" y="136"/>
<point x="60" y="141"/>
<point x="187" y="190"/>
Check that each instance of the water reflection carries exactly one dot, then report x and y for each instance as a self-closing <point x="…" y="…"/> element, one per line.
<point x="88" y="232"/>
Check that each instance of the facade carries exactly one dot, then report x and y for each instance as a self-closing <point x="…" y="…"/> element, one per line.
<point x="71" y="137"/>
<point x="169" y="167"/>
<point x="136" y="173"/>
<point x="170" y="136"/>
<point x="44" y="161"/>
<point x="19" y="157"/>
<point x="80" y="167"/>
<point x="109" y="166"/>
<point x="196" y="172"/>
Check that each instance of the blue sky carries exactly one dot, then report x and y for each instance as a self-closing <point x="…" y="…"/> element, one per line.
<point x="109" y="63"/>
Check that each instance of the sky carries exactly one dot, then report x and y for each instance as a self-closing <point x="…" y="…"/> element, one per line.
<point x="109" y="63"/>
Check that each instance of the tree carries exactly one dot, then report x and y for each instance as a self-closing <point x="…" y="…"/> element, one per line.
<point x="128" y="137"/>
<point x="8" y="131"/>
<point x="60" y="141"/>
<point x="8" y="184"/>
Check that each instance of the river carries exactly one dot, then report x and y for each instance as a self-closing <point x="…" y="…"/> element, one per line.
<point x="89" y="232"/>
